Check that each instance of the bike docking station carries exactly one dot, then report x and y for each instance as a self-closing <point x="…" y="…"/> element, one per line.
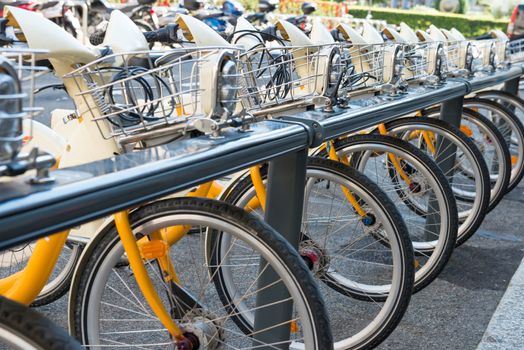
<point x="80" y="194"/>
<point x="83" y="193"/>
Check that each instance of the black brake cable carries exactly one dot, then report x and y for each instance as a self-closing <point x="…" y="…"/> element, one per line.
<point x="147" y="111"/>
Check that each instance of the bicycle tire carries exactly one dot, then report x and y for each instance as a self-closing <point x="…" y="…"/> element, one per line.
<point x="26" y="329"/>
<point x="96" y="261"/>
<point x="492" y="135"/>
<point x="321" y="168"/>
<point x="445" y="243"/>
<point x="15" y="259"/>
<point x="507" y="100"/>
<point x="516" y="127"/>
<point x="59" y="286"/>
<point x="471" y="218"/>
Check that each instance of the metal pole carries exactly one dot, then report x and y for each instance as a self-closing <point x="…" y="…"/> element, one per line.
<point x="284" y="205"/>
<point x="512" y="86"/>
<point x="451" y="111"/>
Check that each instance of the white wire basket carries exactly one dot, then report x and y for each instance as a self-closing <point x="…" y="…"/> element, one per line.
<point x="515" y="51"/>
<point x="144" y="95"/>
<point x="371" y="66"/>
<point x="484" y="55"/>
<point x="18" y="71"/>
<point x="423" y="62"/>
<point x="280" y="77"/>
<point x="460" y="56"/>
<point x="502" y="56"/>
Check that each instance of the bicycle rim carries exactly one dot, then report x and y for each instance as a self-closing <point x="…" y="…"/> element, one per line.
<point x="432" y="232"/>
<point x="105" y="321"/>
<point x="509" y="127"/>
<point x="352" y="280"/>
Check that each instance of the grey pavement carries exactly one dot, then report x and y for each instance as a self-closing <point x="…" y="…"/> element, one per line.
<point x="454" y="311"/>
<point x="506" y="328"/>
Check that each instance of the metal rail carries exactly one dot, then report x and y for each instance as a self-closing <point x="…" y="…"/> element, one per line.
<point x="359" y="116"/>
<point x="83" y="193"/>
<point x="90" y="191"/>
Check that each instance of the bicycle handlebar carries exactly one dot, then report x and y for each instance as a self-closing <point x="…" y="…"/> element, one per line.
<point x="165" y="35"/>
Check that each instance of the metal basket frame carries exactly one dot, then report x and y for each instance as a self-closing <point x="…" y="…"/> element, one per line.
<point x="370" y="67"/>
<point x="515" y="50"/>
<point x="484" y="55"/>
<point x="424" y="63"/>
<point x="278" y="77"/>
<point x="134" y="96"/>
<point x="20" y="65"/>
<point x="460" y="57"/>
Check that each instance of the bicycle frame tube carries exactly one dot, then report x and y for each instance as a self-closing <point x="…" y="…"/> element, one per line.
<point x="393" y="158"/>
<point x="333" y="156"/>
<point x="260" y="188"/>
<point x="166" y="266"/>
<point x="25" y="285"/>
<point x="139" y="270"/>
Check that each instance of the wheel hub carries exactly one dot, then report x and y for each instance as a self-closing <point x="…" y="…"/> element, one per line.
<point x="418" y="185"/>
<point x="201" y="331"/>
<point x="314" y="255"/>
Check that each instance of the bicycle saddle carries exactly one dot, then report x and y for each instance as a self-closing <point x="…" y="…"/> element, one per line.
<point x="408" y="34"/>
<point x="371" y="35"/>
<point x="320" y="35"/>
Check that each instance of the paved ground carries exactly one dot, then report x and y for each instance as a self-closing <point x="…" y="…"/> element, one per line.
<point x="505" y="330"/>
<point x="454" y="311"/>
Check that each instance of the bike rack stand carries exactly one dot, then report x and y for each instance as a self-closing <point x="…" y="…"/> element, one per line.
<point x="284" y="205"/>
<point x="286" y="177"/>
<point x="87" y="192"/>
<point x="512" y="86"/>
<point x="83" y="193"/>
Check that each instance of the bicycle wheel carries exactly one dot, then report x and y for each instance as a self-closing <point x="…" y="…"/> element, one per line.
<point x="15" y="259"/>
<point x="25" y="329"/>
<point x="516" y="105"/>
<point x="492" y="146"/>
<point x="364" y="263"/>
<point x="508" y="116"/>
<point x="432" y="226"/>
<point x="107" y="308"/>
<point x="453" y="151"/>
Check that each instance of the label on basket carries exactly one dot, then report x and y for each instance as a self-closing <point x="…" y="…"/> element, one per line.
<point x="71" y="117"/>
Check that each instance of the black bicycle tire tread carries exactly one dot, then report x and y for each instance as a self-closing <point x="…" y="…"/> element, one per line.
<point x="264" y="231"/>
<point x="388" y="206"/>
<point x="60" y="291"/>
<point x="37" y="328"/>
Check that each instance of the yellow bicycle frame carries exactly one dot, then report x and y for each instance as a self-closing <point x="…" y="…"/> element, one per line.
<point x="25" y="285"/>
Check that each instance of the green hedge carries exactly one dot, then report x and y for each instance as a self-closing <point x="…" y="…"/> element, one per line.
<point x="470" y="27"/>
